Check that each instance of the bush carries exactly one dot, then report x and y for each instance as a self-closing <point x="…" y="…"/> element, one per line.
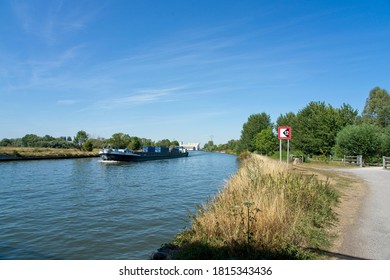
<point x="244" y="155"/>
<point x="88" y="146"/>
<point x="362" y="140"/>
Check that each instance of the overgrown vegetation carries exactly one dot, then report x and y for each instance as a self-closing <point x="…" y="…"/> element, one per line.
<point x="264" y="212"/>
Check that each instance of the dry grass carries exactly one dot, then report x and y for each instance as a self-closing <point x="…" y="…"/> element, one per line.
<point x="43" y="152"/>
<point x="263" y="211"/>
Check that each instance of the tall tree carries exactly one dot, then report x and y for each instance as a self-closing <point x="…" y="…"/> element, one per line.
<point x="266" y="141"/>
<point x="316" y="127"/>
<point x="386" y="141"/>
<point x="346" y="115"/>
<point x="210" y="146"/>
<point x="255" y="124"/>
<point x="377" y="108"/>
<point x="289" y="119"/>
<point x="286" y="120"/>
<point x="80" y="138"/>
<point x="120" y="140"/>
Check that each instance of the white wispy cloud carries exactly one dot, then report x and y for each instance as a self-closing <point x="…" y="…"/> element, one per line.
<point x="56" y="18"/>
<point x="67" y="102"/>
<point x="52" y="71"/>
<point x="139" y="97"/>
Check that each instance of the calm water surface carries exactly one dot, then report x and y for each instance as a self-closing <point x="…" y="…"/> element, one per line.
<point x="88" y="209"/>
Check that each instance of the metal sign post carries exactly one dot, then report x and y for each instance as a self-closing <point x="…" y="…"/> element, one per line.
<point x="284" y="133"/>
<point x="288" y="150"/>
<point x="280" y="150"/>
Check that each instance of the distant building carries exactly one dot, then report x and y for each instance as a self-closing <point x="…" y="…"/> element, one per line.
<point x="191" y="146"/>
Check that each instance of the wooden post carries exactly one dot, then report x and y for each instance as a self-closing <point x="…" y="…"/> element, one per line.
<point x="360" y="160"/>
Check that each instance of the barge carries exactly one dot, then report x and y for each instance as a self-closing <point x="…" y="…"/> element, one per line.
<point x="148" y="153"/>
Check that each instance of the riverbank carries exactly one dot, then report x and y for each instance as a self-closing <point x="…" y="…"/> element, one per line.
<point x="18" y="153"/>
<point x="265" y="211"/>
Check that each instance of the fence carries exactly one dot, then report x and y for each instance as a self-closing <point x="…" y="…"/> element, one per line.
<point x="358" y="160"/>
<point x="386" y="162"/>
<point x="297" y="159"/>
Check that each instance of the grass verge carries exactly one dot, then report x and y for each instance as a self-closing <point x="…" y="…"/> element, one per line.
<point x="264" y="212"/>
<point x="44" y="152"/>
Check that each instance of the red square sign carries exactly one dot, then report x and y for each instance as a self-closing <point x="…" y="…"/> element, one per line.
<point x="284" y="132"/>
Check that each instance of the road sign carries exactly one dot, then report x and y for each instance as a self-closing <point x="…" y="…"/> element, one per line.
<point x="284" y="132"/>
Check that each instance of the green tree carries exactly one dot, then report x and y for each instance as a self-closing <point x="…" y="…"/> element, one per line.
<point x="362" y="140"/>
<point x="88" y="145"/>
<point x="386" y="142"/>
<point x="119" y="140"/>
<point x="135" y="143"/>
<point x="345" y="115"/>
<point x="233" y="145"/>
<point x="98" y="142"/>
<point x="5" y="142"/>
<point x="31" y="140"/>
<point x="175" y="143"/>
<point x="316" y="126"/>
<point x="14" y="142"/>
<point x="210" y="146"/>
<point x="286" y="120"/>
<point x="80" y="138"/>
<point x="48" y="138"/>
<point x="164" y="143"/>
<point x="266" y="141"/>
<point x="255" y="124"/>
<point x="377" y="108"/>
<point x="146" y="142"/>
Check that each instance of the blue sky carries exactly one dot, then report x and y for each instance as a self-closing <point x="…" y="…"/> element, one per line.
<point x="185" y="70"/>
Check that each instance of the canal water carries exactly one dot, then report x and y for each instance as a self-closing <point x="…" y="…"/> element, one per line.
<point x="88" y="209"/>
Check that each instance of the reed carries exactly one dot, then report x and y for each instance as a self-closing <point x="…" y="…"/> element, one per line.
<point x="264" y="211"/>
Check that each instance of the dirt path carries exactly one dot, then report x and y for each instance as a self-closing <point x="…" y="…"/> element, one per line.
<point x="364" y="231"/>
<point x="369" y="235"/>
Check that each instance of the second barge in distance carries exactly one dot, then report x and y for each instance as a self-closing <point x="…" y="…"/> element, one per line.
<point x="148" y="153"/>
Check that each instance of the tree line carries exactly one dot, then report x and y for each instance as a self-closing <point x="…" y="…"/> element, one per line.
<point x="83" y="141"/>
<point x="320" y="129"/>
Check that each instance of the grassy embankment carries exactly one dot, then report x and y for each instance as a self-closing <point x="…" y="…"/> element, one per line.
<point x="264" y="212"/>
<point x="44" y="152"/>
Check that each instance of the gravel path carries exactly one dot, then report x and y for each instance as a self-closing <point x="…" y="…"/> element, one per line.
<point x="368" y="237"/>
